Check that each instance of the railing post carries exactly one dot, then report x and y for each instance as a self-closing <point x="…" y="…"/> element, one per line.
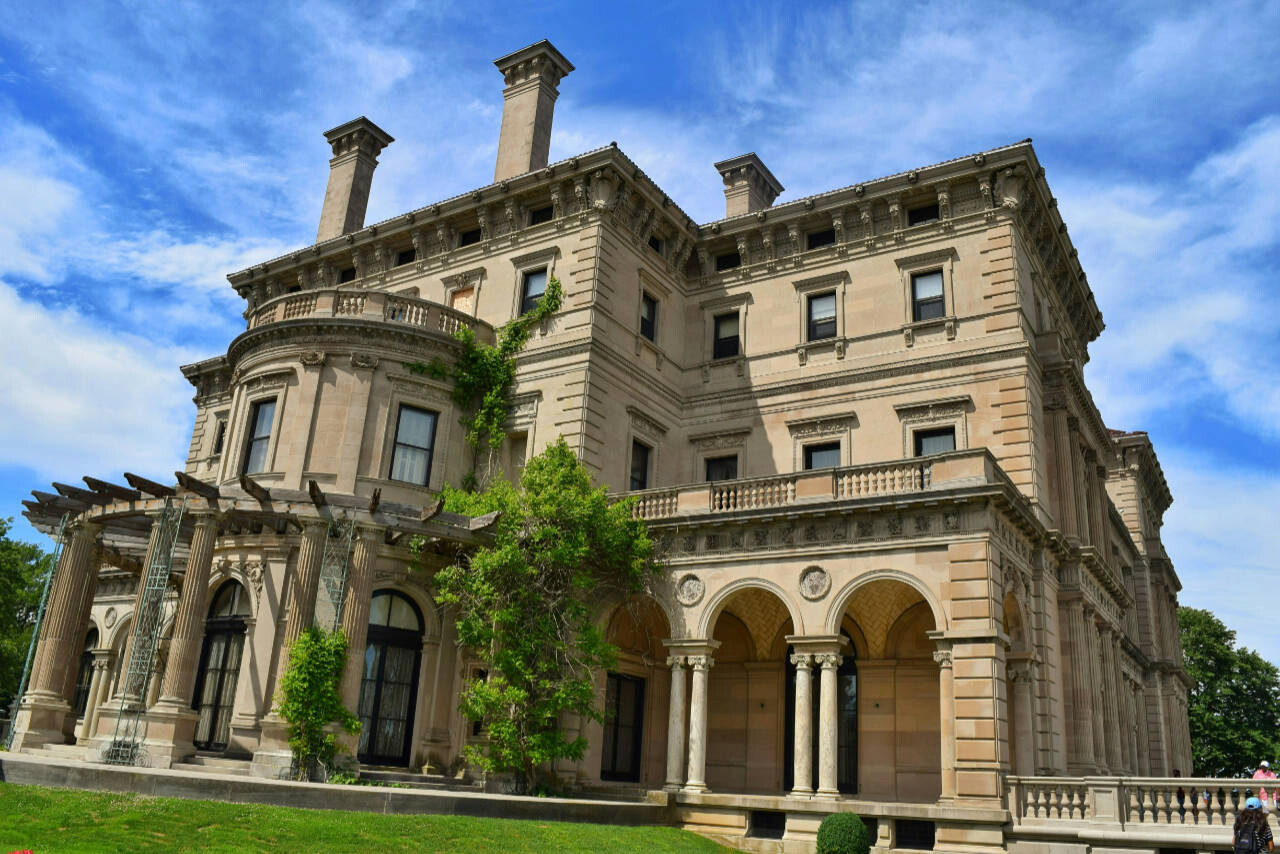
<point x="1105" y="800"/>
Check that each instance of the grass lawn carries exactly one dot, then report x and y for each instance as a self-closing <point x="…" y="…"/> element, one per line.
<point x="56" y="820"/>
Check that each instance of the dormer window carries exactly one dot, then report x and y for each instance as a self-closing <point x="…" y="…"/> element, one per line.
<point x="469" y="237"/>
<point x="347" y="275"/>
<point x="728" y="261"/>
<point x="922" y="214"/>
<point x="538" y="216"/>
<point x="818" y="239"/>
<point x="407" y="256"/>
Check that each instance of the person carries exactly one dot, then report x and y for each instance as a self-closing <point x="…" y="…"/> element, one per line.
<point x="1264" y="772"/>
<point x="1252" y="833"/>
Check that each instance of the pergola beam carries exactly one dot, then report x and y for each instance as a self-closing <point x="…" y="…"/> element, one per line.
<point x="80" y="494"/>
<point x="159" y="490"/>
<point x="115" y="491"/>
<point x="255" y="489"/>
<point x="199" y="487"/>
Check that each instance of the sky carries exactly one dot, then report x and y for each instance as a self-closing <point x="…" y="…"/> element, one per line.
<point x="149" y="149"/>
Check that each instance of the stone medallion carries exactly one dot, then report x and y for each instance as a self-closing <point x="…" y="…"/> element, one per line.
<point x="689" y="590"/>
<point x="109" y="619"/>
<point x="814" y="583"/>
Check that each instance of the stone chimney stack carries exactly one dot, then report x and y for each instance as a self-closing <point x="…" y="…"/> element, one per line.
<point x="532" y="75"/>
<point x="749" y="186"/>
<point x="356" y="146"/>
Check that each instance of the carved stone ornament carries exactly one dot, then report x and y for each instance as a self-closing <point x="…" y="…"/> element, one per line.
<point x="677" y="662"/>
<point x="109" y="618"/>
<point x="689" y="590"/>
<point x="814" y="583"/>
<point x="364" y="360"/>
<point x="312" y="358"/>
<point x="720" y="441"/>
<point x="942" y="657"/>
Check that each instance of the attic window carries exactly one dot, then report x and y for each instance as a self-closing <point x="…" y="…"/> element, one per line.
<point x="537" y="216"/>
<point x="816" y="239"/>
<point x="467" y="238"/>
<point x="408" y="256"/>
<point x="347" y="275"/>
<point x="922" y="214"/>
<point x="728" y="261"/>
<point x="655" y="243"/>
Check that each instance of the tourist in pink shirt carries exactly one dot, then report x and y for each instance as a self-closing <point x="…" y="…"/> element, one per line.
<point x="1264" y="772"/>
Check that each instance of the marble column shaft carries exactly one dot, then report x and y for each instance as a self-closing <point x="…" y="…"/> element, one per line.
<point x="802" y="776"/>
<point x="355" y="614"/>
<point x="675" y="724"/>
<point x="95" y="689"/>
<point x="60" y="632"/>
<point x="1081" y="699"/>
<point x="947" y="719"/>
<point x="1098" y="715"/>
<point x="697" y="779"/>
<point x="828" y="728"/>
<point x="306" y="580"/>
<point x="188" y="624"/>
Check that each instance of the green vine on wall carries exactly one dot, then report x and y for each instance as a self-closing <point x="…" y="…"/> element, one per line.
<point x="483" y="374"/>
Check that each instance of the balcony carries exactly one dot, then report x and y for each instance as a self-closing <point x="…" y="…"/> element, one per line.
<point x="376" y="306"/>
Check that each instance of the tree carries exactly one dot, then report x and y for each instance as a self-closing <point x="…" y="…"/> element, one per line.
<point x="21" y="568"/>
<point x="311" y="699"/>
<point x="1232" y="705"/>
<point x="527" y="607"/>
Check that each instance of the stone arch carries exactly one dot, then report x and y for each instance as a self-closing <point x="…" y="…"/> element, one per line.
<point x="1013" y="622"/>
<point x="639" y="624"/>
<point x="426" y="605"/>
<point x="840" y="601"/>
<point x="630" y="745"/>
<point x="225" y="569"/>
<point x="706" y="624"/>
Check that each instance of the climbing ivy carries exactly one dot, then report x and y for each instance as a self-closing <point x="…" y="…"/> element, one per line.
<point x="482" y="376"/>
<point x="310" y="700"/>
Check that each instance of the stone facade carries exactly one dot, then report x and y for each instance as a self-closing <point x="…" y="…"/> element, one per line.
<point x="906" y="558"/>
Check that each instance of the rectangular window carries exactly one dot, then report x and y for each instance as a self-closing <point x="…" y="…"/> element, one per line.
<point x="261" y="417"/>
<point x="538" y="216"/>
<point x="817" y="239"/>
<point x="535" y="285"/>
<point x="922" y="214"/>
<point x="722" y="468"/>
<point x="640" y="465"/>
<point x="623" y="728"/>
<point x="648" y="316"/>
<point x="347" y="275"/>
<point x="726" y="342"/>
<point x="935" y="441"/>
<point x="655" y="243"/>
<point x="469" y="237"/>
<point x="415" y="441"/>
<point x="824" y="456"/>
<point x="822" y="316"/>
<point x="462" y="299"/>
<point x="728" y="261"/>
<point x="406" y="256"/>
<point x="926" y="295"/>
<point x="219" y="436"/>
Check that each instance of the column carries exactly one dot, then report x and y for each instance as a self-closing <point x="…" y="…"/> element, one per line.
<point x="947" y="718"/>
<point x="697" y="780"/>
<point x="828" y="727"/>
<point x="1064" y="475"/>
<point x="802" y="785"/>
<point x="1081" y="748"/>
<point x="1115" y="759"/>
<point x="306" y="580"/>
<point x="355" y="612"/>
<point x="1091" y="672"/>
<point x="188" y="624"/>
<point x="59" y="634"/>
<point x="95" y="690"/>
<point x="1022" y="728"/>
<point x="675" y="724"/>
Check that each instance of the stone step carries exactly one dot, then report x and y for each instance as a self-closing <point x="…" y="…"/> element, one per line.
<point x="62" y="751"/>
<point x="415" y="781"/>
<point x="209" y="769"/>
<point x="219" y="762"/>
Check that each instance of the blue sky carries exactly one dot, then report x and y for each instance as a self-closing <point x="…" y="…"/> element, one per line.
<point x="146" y="150"/>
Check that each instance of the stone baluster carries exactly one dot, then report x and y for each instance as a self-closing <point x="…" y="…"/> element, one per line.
<point x="697" y="779"/>
<point x="802" y="786"/>
<point x="947" y="716"/>
<point x="828" y="727"/>
<point x="675" y="724"/>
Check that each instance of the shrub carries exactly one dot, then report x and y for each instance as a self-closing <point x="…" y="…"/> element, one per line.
<point x="843" y="833"/>
<point x="310" y="700"/>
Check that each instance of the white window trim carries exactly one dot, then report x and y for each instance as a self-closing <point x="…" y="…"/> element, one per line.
<point x="933" y="415"/>
<point x="805" y="288"/>
<point x="942" y="260"/>
<point x="821" y="431"/>
<point x="528" y="264"/>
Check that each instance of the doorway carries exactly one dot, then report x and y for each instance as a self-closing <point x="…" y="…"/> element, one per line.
<point x="389" y="686"/>
<point x="220" y="666"/>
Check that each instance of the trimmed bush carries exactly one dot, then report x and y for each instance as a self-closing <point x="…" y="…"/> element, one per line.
<point x="843" y="833"/>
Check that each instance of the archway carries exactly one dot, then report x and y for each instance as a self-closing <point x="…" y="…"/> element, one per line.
<point x="1019" y="683"/>
<point x="84" y="676"/>
<point x="220" y="666"/>
<point x="746" y="717"/>
<point x="846" y="720"/>
<point x="389" y="683"/>
<point x="637" y="692"/>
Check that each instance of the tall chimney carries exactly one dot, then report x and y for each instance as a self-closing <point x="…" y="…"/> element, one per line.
<point x="356" y="146"/>
<point x="749" y="186"/>
<point x="532" y="75"/>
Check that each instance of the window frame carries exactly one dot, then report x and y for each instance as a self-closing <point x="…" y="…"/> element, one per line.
<point x="250" y="437"/>
<point x="631" y="467"/>
<point x="721" y="262"/>
<point x="396" y="443"/>
<point x="818" y="286"/>
<point x="708" y="460"/>
<point x="811" y="325"/>
<point x="935" y="414"/>
<point x="652" y="335"/>
<point x="922" y="432"/>
<point x="542" y="214"/>
<point x="924" y="206"/>
<point x="808" y="450"/>
<point x="470" y="237"/>
<point x="917" y="302"/>
<point x="544" y="260"/>
<point x="402" y="260"/>
<point x="938" y="260"/>
<point x="716" y="354"/>
<point x="810" y="245"/>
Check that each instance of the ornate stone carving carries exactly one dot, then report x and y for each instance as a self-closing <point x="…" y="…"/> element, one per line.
<point x="828" y="660"/>
<point x="690" y="590"/>
<point x="109" y="618"/>
<point x="364" y="360"/>
<point x="701" y="662"/>
<point x="942" y="657"/>
<point x="720" y="441"/>
<point x="312" y="358"/>
<point x="677" y="662"/>
<point x="802" y="660"/>
<point x="826" y="426"/>
<point x="815" y="583"/>
<point x="644" y="425"/>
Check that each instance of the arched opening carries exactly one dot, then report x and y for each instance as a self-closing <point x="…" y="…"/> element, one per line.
<point x="1018" y="690"/>
<point x="389" y="684"/>
<point x="84" y="677"/>
<point x="747" y="694"/>
<point x="637" y="692"/>
<point x="220" y="666"/>
<point x="890" y="735"/>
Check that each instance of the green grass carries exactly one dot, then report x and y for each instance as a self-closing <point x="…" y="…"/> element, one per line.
<point x="56" y="820"/>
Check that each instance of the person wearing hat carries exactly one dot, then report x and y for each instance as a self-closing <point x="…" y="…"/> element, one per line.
<point x="1252" y="833"/>
<point x="1264" y="772"/>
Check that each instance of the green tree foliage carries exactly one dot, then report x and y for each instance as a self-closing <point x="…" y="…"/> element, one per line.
<point x="528" y="605"/>
<point x="843" y="833"/>
<point x="310" y="699"/>
<point x="21" y="568"/>
<point x="1234" y="702"/>
<point x="482" y="376"/>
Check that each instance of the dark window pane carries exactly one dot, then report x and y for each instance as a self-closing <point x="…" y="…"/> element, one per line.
<point x="415" y="442"/>
<point x="219" y="437"/>
<point x="648" y="316"/>
<point x="469" y="237"/>
<point x="639" y="466"/>
<point x="816" y="239"/>
<point x="538" y="216"/>
<point x="347" y="275"/>
<point x="722" y="468"/>
<point x="655" y="243"/>
<point x="822" y="316"/>
<point x="922" y="214"/>
<point x="623" y="728"/>
<point x="535" y="285"/>
<point x="259" y="441"/>
<point x="728" y="261"/>
<point x="935" y="441"/>
<point x="726" y="335"/>
<point x="926" y="295"/>
<point x="407" y="256"/>
<point x="822" y="456"/>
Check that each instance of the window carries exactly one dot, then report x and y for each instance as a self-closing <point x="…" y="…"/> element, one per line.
<point x="816" y="239"/>
<point x="722" y="468"/>
<point x="415" y="440"/>
<point x="726" y="342"/>
<point x="469" y="237"/>
<point x="728" y="261"/>
<point x="922" y="214"/>
<point x="623" y="728"/>
<point x="538" y="216"/>
<point x="648" y="316"/>
<point x="261" y="416"/>
<point x="640" y="465"/>
<point x="937" y="441"/>
<point x="926" y="295"/>
<point x="406" y="256"/>
<point x="824" y="456"/>
<point x="655" y="243"/>
<point x="347" y="275"/>
<point x="462" y="299"/>
<point x="822" y="316"/>
<point x="219" y="437"/>
<point x="535" y="285"/>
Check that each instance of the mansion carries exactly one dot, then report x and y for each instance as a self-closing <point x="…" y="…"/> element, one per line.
<point x="906" y="561"/>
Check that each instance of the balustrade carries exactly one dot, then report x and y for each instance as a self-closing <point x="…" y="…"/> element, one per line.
<point x="1133" y="803"/>
<point x="369" y="305"/>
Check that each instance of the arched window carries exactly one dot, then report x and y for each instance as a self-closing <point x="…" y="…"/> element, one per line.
<point x="80" y="700"/>
<point x="220" y="665"/>
<point x="389" y="685"/>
